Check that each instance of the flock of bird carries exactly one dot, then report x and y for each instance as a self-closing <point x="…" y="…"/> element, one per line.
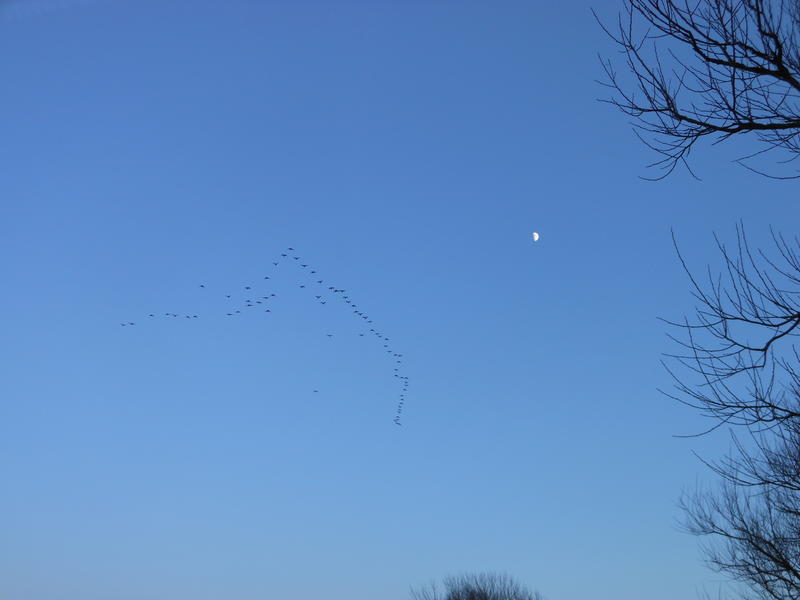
<point x="323" y="293"/>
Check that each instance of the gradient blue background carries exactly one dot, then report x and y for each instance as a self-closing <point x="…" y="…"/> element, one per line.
<point x="407" y="150"/>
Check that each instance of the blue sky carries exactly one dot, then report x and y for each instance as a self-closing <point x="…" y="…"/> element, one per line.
<point x="407" y="150"/>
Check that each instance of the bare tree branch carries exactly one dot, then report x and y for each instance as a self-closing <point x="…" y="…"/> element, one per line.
<point x="740" y="349"/>
<point x="715" y="68"/>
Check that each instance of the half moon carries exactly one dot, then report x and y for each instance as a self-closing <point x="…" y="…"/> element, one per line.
<point x="535" y="237"/>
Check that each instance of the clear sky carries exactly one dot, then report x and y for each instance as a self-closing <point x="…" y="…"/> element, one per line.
<point x="406" y="150"/>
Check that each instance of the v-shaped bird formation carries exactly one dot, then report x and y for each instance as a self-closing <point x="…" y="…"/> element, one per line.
<point x="256" y="298"/>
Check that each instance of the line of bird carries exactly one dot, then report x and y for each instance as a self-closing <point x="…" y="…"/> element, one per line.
<point x="322" y="293"/>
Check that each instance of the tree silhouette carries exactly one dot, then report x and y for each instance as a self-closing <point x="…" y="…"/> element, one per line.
<point x="739" y="352"/>
<point x="481" y="586"/>
<point x="709" y="68"/>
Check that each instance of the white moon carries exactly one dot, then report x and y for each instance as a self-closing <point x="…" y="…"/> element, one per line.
<point x="535" y="237"/>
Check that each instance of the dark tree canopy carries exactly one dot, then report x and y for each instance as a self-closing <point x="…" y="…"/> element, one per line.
<point x="709" y="68"/>
<point x="481" y="586"/>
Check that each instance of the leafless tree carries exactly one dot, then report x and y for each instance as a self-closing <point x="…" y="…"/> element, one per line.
<point x="715" y="68"/>
<point x="481" y="586"/>
<point x="739" y="352"/>
<point x="744" y="312"/>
